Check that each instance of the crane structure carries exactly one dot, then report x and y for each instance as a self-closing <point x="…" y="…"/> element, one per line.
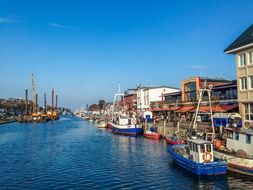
<point x="34" y="95"/>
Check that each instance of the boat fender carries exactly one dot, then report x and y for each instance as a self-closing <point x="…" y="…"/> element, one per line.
<point x="207" y="157"/>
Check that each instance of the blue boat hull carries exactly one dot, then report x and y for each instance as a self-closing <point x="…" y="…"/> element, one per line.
<point x="127" y="131"/>
<point x="212" y="168"/>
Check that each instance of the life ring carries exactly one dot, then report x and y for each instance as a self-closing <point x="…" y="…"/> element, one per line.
<point x="207" y="157"/>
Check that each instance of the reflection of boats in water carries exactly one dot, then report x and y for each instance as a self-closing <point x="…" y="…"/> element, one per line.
<point x="197" y="157"/>
<point x="121" y="122"/>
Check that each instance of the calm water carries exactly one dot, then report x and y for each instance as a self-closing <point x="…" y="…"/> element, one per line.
<point x="74" y="154"/>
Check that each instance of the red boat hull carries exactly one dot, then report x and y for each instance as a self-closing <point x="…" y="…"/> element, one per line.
<point x="171" y="141"/>
<point x="152" y="136"/>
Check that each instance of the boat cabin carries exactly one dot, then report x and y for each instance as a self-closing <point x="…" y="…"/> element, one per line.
<point x="125" y="120"/>
<point x="240" y="139"/>
<point x="201" y="151"/>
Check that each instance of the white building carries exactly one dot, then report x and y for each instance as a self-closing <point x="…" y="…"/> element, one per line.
<point x="146" y="95"/>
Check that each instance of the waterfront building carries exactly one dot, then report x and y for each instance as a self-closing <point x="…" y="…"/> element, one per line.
<point x="191" y="86"/>
<point x="148" y="95"/>
<point x="182" y="104"/>
<point x="242" y="47"/>
<point x="130" y="99"/>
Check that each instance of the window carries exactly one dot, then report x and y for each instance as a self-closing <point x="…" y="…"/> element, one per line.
<point x="249" y="111"/>
<point x="250" y="58"/>
<point x="196" y="147"/>
<point x="248" y="139"/>
<point x="190" y="146"/>
<point x="193" y="147"/>
<point x="190" y="91"/>
<point x="250" y="82"/>
<point x="243" y="83"/>
<point x="208" y="148"/>
<point x="242" y="60"/>
<point x="237" y="136"/>
<point x="202" y="148"/>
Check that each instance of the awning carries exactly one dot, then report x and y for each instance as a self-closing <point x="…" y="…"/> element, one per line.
<point x="156" y="109"/>
<point x="222" y="108"/>
<point x="166" y="109"/>
<point x="185" y="109"/>
<point x="201" y="109"/>
<point x="173" y="108"/>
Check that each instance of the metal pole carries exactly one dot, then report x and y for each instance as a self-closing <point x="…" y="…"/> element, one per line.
<point x="45" y="103"/>
<point x="52" y="108"/>
<point x="36" y="102"/>
<point x="26" y="101"/>
<point x="56" y="102"/>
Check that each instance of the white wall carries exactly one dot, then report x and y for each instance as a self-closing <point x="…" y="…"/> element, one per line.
<point x="146" y="96"/>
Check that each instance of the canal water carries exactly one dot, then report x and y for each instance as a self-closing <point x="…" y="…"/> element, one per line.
<point x="74" y="154"/>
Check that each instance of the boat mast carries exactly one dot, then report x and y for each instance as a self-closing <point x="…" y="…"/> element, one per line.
<point x="201" y="93"/>
<point x="116" y="99"/>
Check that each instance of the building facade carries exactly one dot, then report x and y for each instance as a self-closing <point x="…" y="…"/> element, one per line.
<point x="147" y="95"/>
<point x="242" y="47"/>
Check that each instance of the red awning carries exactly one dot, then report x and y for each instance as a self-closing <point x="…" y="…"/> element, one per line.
<point x="174" y="108"/>
<point x="166" y="109"/>
<point x="156" y="109"/>
<point x="224" y="108"/>
<point x="185" y="109"/>
<point x="202" y="109"/>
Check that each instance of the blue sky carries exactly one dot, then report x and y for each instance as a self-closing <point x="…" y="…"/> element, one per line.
<point x="83" y="48"/>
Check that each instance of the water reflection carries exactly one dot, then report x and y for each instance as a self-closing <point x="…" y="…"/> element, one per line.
<point x="74" y="154"/>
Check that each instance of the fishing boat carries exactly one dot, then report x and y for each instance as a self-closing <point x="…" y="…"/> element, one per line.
<point x="236" y="150"/>
<point x="174" y="139"/>
<point x="152" y="134"/>
<point x="122" y="123"/>
<point x="197" y="157"/>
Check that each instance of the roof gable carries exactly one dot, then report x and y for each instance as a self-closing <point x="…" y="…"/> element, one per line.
<point x="244" y="39"/>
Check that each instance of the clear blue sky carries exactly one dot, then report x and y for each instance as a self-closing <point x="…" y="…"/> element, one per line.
<point x="83" y="48"/>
